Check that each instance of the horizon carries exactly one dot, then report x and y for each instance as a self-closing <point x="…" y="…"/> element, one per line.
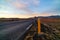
<point x="28" y="8"/>
<point x="36" y="16"/>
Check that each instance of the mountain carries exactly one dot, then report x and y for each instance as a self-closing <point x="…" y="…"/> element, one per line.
<point x="53" y="16"/>
<point x="56" y="16"/>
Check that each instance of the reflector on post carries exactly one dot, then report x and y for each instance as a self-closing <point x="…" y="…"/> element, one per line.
<point x="39" y="26"/>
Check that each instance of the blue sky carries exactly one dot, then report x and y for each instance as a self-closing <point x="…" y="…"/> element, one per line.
<point x="29" y="8"/>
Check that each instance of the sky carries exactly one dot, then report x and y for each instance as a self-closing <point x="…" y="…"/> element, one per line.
<point x="28" y="8"/>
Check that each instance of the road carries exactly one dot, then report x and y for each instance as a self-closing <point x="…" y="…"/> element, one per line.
<point x="13" y="30"/>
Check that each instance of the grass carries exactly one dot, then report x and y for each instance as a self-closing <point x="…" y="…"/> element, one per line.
<point x="55" y="24"/>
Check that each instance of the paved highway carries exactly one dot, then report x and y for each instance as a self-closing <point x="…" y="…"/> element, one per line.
<point x="13" y="30"/>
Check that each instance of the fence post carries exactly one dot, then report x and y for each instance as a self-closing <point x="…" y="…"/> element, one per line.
<point x="39" y="26"/>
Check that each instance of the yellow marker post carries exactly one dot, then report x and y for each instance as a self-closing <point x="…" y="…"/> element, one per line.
<point x="39" y="26"/>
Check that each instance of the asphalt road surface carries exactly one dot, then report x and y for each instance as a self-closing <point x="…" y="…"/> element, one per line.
<point x="13" y="30"/>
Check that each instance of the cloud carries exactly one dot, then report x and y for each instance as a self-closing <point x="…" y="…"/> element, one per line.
<point x="24" y="4"/>
<point x="6" y="9"/>
<point x="36" y="2"/>
<point x="19" y="5"/>
<point x="6" y="15"/>
<point x="43" y="14"/>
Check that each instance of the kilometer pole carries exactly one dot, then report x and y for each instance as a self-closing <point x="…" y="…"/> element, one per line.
<point x="39" y="26"/>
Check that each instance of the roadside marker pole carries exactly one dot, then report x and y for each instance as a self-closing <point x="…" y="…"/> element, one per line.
<point x="39" y="26"/>
<point x="39" y="29"/>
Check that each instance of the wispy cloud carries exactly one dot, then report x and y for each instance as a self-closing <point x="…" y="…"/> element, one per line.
<point x="19" y="5"/>
<point x="43" y="14"/>
<point x="24" y="4"/>
<point x="29" y="8"/>
<point x="8" y="15"/>
<point x="36" y="2"/>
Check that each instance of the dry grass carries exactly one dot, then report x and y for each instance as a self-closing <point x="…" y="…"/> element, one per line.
<point x="54" y="23"/>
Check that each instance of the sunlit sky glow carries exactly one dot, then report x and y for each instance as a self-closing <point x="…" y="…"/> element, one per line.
<point x="29" y="8"/>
